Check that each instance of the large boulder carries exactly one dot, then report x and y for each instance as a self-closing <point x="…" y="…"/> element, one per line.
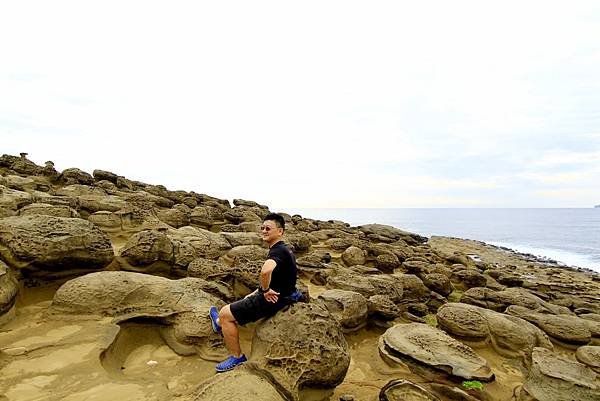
<point x="500" y="300"/>
<point x="180" y="305"/>
<point x="76" y="176"/>
<point x="381" y="230"/>
<point x="434" y="349"/>
<point x="48" y="210"/>
<point x="12" y="199"/>
<point x="508" y="335"/>
<point x="178" y="216"/>
<point x="555" y="378"/>
<point x="404" y="390"/>
<point x="239" y="384"/>
<point x="54" y="246"/>
<point x="589" y="355"/>
<point x="354" y="256"/>
<point x="9" y="288"/>
<point x="568" y="329"/>
<point x="347" y="307"/>
<point x="302" y="346"/>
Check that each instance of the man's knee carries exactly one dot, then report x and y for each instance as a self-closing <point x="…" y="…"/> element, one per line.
<point x="225" y="314"/>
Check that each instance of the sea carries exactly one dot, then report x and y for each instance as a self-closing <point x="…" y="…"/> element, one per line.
<point x="570" y="236"/>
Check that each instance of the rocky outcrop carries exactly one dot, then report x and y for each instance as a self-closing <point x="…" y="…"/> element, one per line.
<point x="568" y="329"/>
<point x="500" y="300"/>
<point x="301" y="347"/>
<point x="239" y="384"/>
<point x="353" y="256"/>
<point x="181" y="305"/>
<point x="403" y="390"/>
<point x="349" y="308"/>
<point x="555" y="378"/>
<point x="48" y="210"/>
<point x="54" y="246"/>
<point x="508" y="335"/>
<point x="9" y="288"/>
<point x="434" y="349"/>
<point x="590" y="356"/>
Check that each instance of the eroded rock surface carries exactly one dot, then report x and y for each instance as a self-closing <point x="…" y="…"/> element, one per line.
<point x="347" y="307"/>
<point x="432" y="347"/>
<point x="301" y="346"/>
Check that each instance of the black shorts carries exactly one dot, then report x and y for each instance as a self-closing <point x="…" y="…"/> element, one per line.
<point x="256" y="307"/>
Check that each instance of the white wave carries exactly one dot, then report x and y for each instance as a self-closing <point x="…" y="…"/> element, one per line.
<point x="561" y="256"/>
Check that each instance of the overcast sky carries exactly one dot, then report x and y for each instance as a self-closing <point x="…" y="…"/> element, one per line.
<point x="313" y="104"/>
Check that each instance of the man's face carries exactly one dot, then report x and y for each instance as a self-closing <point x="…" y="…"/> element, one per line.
<point x="270" y="232"/>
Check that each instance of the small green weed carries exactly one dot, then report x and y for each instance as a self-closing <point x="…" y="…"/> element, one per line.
<point x="472" y="385"/>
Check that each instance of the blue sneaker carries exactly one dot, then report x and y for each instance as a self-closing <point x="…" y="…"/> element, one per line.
<point x="230" y="363"/>
<point x="213" y="313"/>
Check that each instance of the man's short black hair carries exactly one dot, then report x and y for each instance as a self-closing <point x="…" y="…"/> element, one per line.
<point x="277" y="218"/>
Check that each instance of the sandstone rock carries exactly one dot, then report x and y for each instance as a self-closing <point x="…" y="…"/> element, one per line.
<point x="178" y="216"/>
<point x="245" y="253"/>
<point x="302" y="346"/>
<point x="353" y="256"/>
<point x="100" y="175"/>
<point x="20" y="165"/>
<point x="12" y="199"/>
<point x="434" y="349"/>
<point x="9" y="288"/>
<point x="382" y="307"/>
<point x="387" y="262"/>
<point x="568" y="329"/>
<point x="243" y="238"/>
<point x="299" y="241"/>
<point x="500" y="300"/>
<point x="239" y="384"/>
<point x="590" y="356"/>
<point x="404" y="390"/>
<point x="438" y="283"/>
<point x="54" y="245"/>
<point x="388" y="285"/>
<point x="181" y="305"/>
<point x="392" y="233"/>
<point x="555" y="378"/>
<point x="48" y="210"/>
<point x="349" y="308"/>
<point x="242" y="202"/>
<point x="76" y="176"/>
<point x="413" y="288"/>
<point x="508" y="335"/>
<point x="147" y="247"/>
<point x="468" y="278"/>
<point x="201" y="216"/>
<point x="106" y="220"/>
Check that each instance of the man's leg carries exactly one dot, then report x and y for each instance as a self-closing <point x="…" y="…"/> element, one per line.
<point x="230" y="331"/>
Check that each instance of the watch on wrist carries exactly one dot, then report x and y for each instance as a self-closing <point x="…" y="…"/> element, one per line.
<point x="261" y="290"/>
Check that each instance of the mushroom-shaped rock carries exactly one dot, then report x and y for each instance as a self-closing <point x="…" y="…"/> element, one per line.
<point x="555" y="378"/>
<point x="509" y="335"/>
<point x="353" y="256"/>
<point x="404" y="390"/>
<point x="9" y="288"/>
<point x="568" y="329"/>
<point x="347" y="307"/>
<point x="54" y="246"/>
<point x="589" y="355"/>
<point x="302" y="346"/>
<point x="239" y="384"/>
<point x="181" y="305"/>
<point x="435" y="349"/>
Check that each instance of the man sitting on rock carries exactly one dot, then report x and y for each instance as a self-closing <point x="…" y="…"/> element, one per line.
<point x="276" y="289"/>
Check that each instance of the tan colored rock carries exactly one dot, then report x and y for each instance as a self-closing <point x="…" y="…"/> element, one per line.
<point x="51" y="245"/>
<point x="404" y="390"/>
<point x="239" y="384"/>
<point x="555" y="378"/>
<point x="508" y="335"/>
<point x="48" y="210"/>
<point x="9" y="288"/>
<point x="301" y="347"/>
<point x="354" y="256"/>
<point x="589" y="355"/>
<point x="432" y="347"/>
<point x="349" y="308"/>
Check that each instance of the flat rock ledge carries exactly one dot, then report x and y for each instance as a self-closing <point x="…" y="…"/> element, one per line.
<point x="435" y="349"/>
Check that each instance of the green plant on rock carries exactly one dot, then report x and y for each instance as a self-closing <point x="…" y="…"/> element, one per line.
<point x="472" y="385"/>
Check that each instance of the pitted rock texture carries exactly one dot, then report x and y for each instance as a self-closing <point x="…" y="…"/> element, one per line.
<point x="181" y="304"/>
<point x="555" y="378"/>
<point x="568" y="329"/>
<point x="508" y="335"/>
<point x="354" y="256"/>
<point x="239" y="384"/>
<point x="48" y="210"/>
<point x="347" y="307"/>
<point x="432" y="347"/>
<point x="404" y="390"/>
<point x="589" y="355"/>
<point x="301" y="346"/>
<point x="9" y="288"/>
<point x="48" y="244"/>
<point x="500" y="300"/>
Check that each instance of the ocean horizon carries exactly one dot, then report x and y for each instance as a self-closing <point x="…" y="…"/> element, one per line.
<point x="570" y="236"/>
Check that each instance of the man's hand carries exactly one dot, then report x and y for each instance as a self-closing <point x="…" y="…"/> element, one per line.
<point x="271" y="295"/>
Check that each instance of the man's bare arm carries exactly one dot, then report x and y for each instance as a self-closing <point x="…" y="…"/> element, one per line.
<point x="265" y="280"/>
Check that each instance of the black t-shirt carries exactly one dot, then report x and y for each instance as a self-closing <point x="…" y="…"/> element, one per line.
<point x="283" y="278"/>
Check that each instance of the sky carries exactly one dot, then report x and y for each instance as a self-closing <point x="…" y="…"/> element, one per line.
<point x="313" y="103"/>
